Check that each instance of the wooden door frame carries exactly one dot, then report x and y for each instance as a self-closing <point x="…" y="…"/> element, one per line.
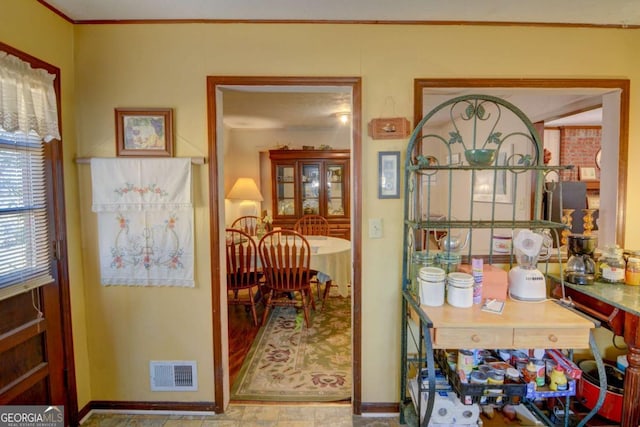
<point x="216" y="203"/>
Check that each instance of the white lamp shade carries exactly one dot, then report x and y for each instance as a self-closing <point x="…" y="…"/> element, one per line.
<point x="245" y="189"/>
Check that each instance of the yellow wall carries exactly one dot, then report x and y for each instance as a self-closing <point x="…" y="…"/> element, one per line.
<point x="165" y="65"/>
<point x="31" y="28"/>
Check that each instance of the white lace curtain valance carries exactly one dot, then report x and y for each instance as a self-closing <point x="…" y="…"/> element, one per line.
<point x="27" y="99"/>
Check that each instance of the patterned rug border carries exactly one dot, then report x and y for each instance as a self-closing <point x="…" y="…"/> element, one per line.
<point x="333" y="395"/>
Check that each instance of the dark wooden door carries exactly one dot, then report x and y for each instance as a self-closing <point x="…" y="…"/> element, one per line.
<point x="36" y="343"/>
<point x="31" y="352"/>
<point x="36" y="350"/>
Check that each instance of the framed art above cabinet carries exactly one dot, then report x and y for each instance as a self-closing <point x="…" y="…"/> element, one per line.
<point x="311" y="182"/>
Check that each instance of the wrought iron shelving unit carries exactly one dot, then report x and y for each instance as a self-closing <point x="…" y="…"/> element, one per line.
<point x="439" y="197"/>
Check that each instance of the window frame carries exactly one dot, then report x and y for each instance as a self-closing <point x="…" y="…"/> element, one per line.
<point x="37" y="268"/>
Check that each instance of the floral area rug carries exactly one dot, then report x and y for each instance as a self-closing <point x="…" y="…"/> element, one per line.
<point x="292" y="363"/>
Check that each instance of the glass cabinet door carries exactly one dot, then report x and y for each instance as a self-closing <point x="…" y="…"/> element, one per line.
<point x="336" y="197"/>
<point x="311" y="182"/>
<point x="310" y="188"/>
<point x="285" y="190"/>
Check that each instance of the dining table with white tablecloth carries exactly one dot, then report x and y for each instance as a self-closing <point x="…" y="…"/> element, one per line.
<point x="331" y="258"/>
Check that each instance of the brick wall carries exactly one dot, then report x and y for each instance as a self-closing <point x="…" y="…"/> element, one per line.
<point x="578" y="147"/>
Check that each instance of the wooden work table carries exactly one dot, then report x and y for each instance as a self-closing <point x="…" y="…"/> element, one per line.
<point x="545" y="324"/>
<point x="521" y="325"/>
<point x="617" y="306"/>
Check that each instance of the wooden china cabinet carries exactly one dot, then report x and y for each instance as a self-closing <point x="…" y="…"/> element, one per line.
<point x="311" y="182"/>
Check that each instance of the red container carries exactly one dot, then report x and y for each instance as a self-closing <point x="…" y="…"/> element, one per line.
<point x="589" y="389"/>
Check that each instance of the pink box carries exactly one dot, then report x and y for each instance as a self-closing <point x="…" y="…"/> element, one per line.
<point x="495" y="281"/>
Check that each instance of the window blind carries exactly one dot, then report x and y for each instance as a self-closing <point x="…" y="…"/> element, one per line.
<point x="25" y="248"/>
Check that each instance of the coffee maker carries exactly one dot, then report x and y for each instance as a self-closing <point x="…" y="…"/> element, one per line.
<point x="581" y="267"/>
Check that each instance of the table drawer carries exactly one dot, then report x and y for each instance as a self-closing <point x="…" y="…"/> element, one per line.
<point x="551" y="338"/>
<point x="473" y="337"/>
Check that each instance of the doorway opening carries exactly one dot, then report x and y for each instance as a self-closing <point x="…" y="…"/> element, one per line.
<point x="547" y="99"/>
<point x="216" y="88"/>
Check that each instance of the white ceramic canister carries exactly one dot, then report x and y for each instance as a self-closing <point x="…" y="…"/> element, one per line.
<point x="460" y="289"/>
<point x="432" y="283"/>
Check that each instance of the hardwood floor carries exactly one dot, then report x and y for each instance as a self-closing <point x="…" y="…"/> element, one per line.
<point x="241" y="335"/>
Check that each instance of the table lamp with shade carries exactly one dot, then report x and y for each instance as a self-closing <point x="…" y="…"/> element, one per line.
<point x="246" y="190"/>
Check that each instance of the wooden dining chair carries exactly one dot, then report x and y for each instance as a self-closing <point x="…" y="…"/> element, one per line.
<point x="315" y="225"/>
<point x="285" y="256"/>
<point x="248" y="224"/>
<point x="242" y="270"/>
<point x="312" y="225"/>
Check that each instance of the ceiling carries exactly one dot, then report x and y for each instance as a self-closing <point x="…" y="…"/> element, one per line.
<point x="554" y="107"/>
<point x="592" y="12"/>
<point x="298" y="108"/>
<point x="310" y="108"/>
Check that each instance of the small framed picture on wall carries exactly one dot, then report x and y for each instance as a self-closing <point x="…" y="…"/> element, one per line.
<point x="587" y="174"/>
<point x="389" y="175"/>
<point x="144" y="132"/>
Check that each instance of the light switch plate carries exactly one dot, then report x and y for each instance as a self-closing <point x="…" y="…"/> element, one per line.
<point x="375" y="228"/>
